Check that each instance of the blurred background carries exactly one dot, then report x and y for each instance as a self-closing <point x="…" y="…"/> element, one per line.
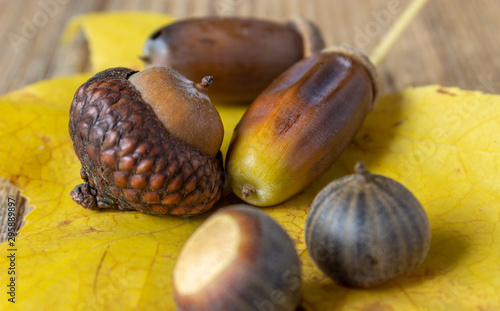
<point x="452" y="42"/>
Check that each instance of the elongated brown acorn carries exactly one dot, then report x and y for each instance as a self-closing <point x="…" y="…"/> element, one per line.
<point x="238" y="259"/>
<point x="299" y="126"/>
<point x="147" y="141"/>
<point x="243" y="54"/>
<point x="365" y="229"/>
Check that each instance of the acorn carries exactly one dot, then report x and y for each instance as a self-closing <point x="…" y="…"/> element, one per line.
<point x="238" y="259"/>
<point x="243" y="54"/>
<point x="147" y="141"/>
<point x="365" y="229"/>
<point x="299" y="125"/>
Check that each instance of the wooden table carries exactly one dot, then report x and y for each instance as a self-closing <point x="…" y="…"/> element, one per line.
<point x="452" y="42"/>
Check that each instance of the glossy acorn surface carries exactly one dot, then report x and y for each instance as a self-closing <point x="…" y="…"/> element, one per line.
<point x="238" y="259"/>
<point x="299" y="126"/>
<point x="244" y="55"/>
<point x="365" y="229"/>
<point x="129" y="161"/>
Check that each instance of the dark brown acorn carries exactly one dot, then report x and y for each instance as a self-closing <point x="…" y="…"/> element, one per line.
<point x="243" y="54"/>
<point x="147" y="141"/>
<point x="365" y="229"/>
<point x="238" y="259"/>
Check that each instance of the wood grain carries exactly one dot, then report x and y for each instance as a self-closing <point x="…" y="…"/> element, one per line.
<point x="452" y="42"/>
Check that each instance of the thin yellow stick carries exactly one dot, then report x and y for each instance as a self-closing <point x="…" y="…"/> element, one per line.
<point x="395" y="31"/>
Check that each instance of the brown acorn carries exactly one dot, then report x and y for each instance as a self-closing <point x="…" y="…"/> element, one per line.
<point x="147" y="141"/>
<point x="299" y="125"/>
<point x="243" y="54"/>
<point x="238" y="259"/>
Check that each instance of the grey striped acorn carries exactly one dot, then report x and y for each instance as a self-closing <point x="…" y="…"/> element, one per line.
<point x="365" y="229"/>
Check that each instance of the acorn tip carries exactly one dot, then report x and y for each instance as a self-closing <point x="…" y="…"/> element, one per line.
<point x="360" y="168"/>
<point x="247" y="191"/>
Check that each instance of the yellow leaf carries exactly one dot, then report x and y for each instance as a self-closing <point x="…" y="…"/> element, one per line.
<point x="116" y="39"/>
<point x="441" y="143"/>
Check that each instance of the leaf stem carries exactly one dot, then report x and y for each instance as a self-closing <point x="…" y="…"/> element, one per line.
<point x="397" y="29"/>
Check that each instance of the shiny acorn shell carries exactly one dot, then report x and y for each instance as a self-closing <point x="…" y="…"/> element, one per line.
<point x="243" y="54"/>
<point x="261" y="271"/>
<point x="129" y="161"/>
<point x="365" y="229"/>
<point x="298" y="127"/>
